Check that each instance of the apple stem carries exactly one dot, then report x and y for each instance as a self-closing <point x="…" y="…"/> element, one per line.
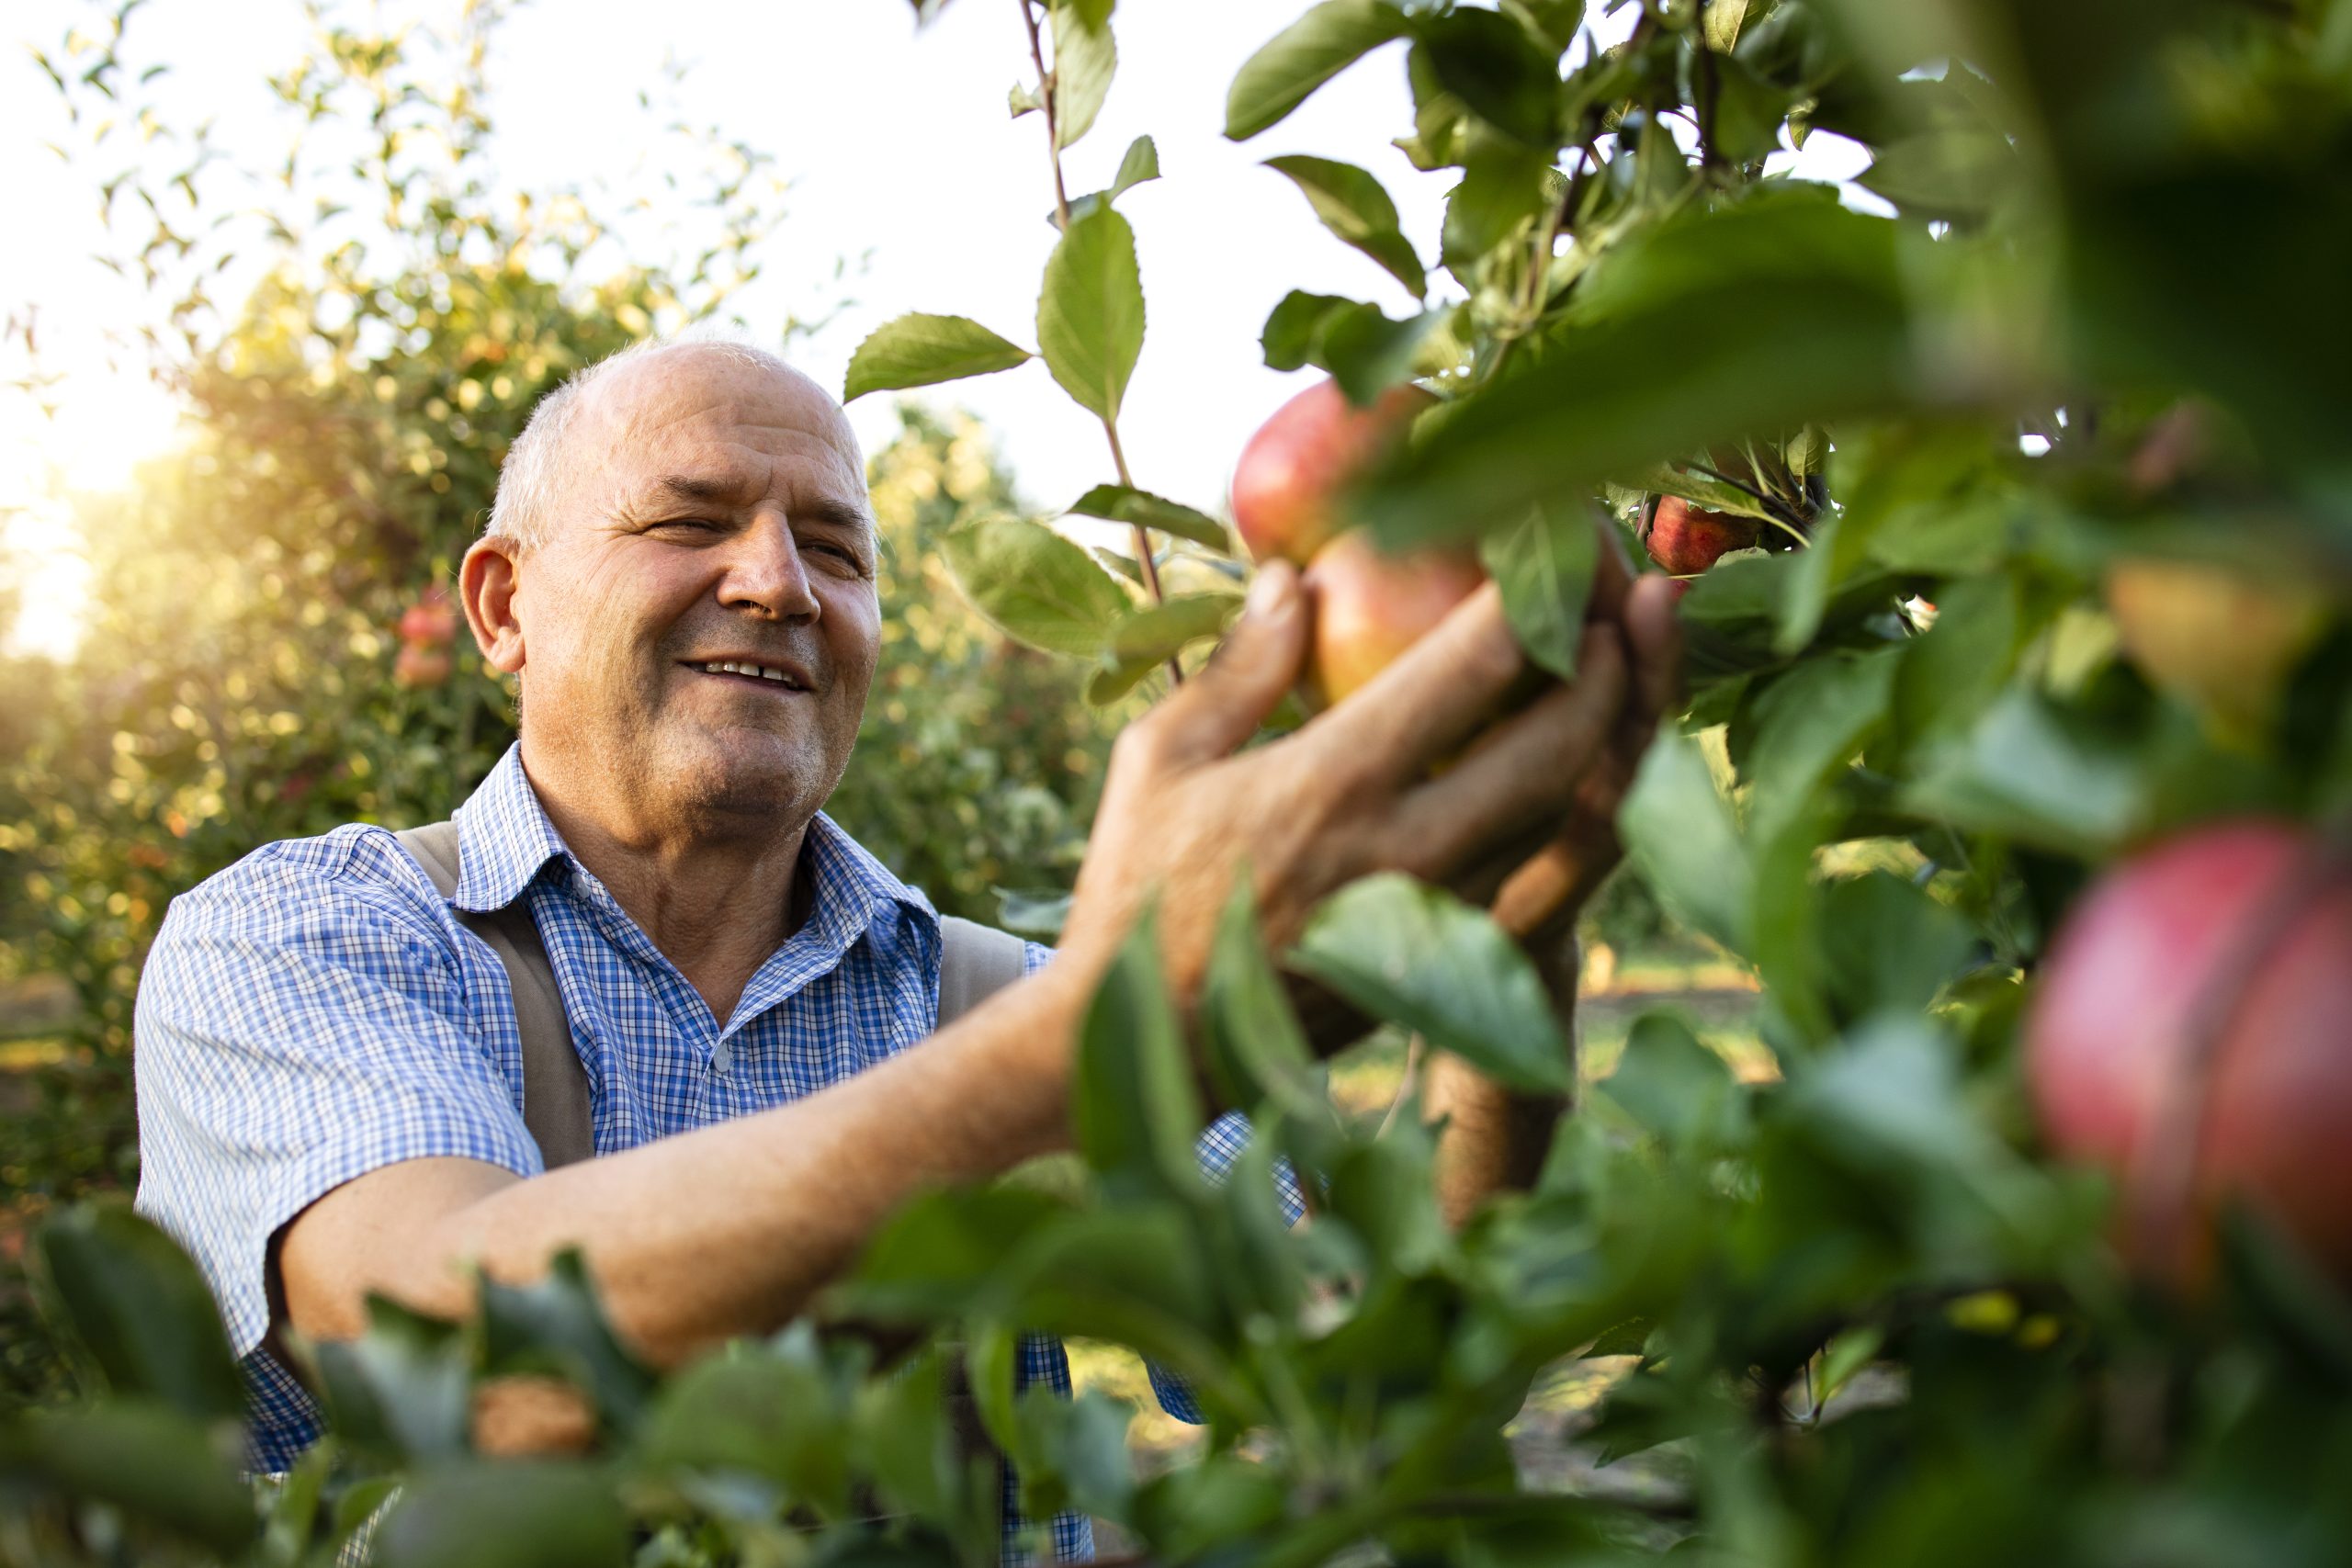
<point x="1053" y="113"/>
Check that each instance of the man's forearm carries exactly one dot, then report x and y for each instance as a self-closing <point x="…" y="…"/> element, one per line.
<point x="723" y="1230"/>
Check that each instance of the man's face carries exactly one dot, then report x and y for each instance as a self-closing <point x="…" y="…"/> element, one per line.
<point x="714" y="513"/>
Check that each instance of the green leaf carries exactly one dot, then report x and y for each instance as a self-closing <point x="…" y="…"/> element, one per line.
<point x="1441" y="120"/>
<point x="1261" y="1268"/>
<point x="1253" y="1046"/>
<point x="403" y="1388"/>
<point x="1038" y="915"/>
<point x="1089" y="317"/>
<point x="2026" y="771"/>
<point x="1545" y="565"/>
<point x="1367" y="354"/>
<point x="1076" y="1454"/>
<point x="148" y="1459"/>
<point x="1772" y="313"/>
<point x="1383" y="1189"/>
<point x="1715" y="495"/>
<point x="1353" y="206"/>
<point x="556" y="1323"/>
<point x="1722" y="23"/>
<point x="1033" y="585"/>
<point x="1135" y="1105"/>
<point x="136" y="1302"/>
<point x="901" y="1438"/>
<point x="1294" y="333"/>
<point x="1301" y="57"/>
<point x="930" y="1259"/>
<point x="1949" y="173"/>
<point x="919" y="350"/>
<point x="1847" y="1352"/>
<point x="1416" y="955"/>
<point x="1748" y="110"/>
<point x="1132" y="1272"/>
<point x="1895" y="946"/>
<point x="1809" y="725"/>
<point x="1676" y="1089"/>
<point x="1680" y="834"/>
<point x="1499" y="72"/>
<point x="1122" y="503"/>
<point x="1085" y="57"/>
<point x="1153" y="634"/>
<point x="505" y="1514"/>
<point x="1140" y="165"/>
<point x="1503" y="187"/>
<point x="776" y="1411"/>
<point x="1630" y="1337"/>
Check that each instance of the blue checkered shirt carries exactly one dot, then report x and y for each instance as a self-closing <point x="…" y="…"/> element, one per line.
<point x="316" y="1011"/>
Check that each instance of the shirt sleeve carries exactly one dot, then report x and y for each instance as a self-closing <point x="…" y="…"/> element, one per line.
<point x="301" y="1020"/>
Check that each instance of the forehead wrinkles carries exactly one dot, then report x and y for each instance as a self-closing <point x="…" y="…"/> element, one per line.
<point x="760" y="434"/>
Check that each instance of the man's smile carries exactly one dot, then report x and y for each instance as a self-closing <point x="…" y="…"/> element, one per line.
<point x="787" y="675"/>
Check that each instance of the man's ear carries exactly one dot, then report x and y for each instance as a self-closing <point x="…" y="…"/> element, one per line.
<point x="487" y="583"/>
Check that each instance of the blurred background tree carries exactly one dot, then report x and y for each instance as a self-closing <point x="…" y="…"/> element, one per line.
<point x="246" y="674"/>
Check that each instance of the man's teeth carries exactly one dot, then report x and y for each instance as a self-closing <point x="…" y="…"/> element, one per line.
<point x="762" y="671"/>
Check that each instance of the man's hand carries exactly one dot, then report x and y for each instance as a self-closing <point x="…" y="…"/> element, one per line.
<point x="1540" y="897"/>
<point x="1351" y="793"/>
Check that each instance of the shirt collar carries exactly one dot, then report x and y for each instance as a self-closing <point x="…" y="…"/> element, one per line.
<point x="505" y="839"/>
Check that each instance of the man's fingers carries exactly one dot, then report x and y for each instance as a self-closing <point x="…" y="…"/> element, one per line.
<point x="1654" y="637"/>
<point x="1613" y="572"/>
<point x="1223" y="704"/>
<point x="1432" y="699"/>
<point x="1524" y="773"/>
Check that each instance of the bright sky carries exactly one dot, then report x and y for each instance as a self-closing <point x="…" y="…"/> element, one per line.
<point x="898" y="143"/>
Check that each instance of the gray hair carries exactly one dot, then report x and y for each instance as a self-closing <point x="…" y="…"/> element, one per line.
<point x="529" y="482"/>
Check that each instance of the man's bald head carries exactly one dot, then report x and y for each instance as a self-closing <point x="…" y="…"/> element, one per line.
<point x="608" y="401"/>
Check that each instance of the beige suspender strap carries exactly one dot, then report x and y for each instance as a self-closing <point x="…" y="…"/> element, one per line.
<point x="974" y="963"/>
<point x="556" y="1107"/>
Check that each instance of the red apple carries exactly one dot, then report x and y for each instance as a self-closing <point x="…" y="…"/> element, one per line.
<point x="1687" y="539"/>
<point x="2192" y="1034"/>
<point x="431" y="622"/>
<point x="417" y="666"/>
<point x="1300" y="459"/>
<point x="1370" y="607"/>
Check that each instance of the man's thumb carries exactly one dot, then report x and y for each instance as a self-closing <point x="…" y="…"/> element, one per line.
<point x="1223" y="705"/>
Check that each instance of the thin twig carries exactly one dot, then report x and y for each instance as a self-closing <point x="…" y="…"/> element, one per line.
<point x="1143" y="541"/>
<point x="1053" y="113"/>
<point x="1047" y="90"/>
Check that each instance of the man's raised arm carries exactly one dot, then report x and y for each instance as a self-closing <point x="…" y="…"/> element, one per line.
<point x="728" y="1229"/>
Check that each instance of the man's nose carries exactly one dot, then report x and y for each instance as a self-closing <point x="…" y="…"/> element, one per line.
<point x="766" y="575"/>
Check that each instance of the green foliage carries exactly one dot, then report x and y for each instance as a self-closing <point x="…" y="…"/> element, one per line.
<point x="1842" y="1306"/>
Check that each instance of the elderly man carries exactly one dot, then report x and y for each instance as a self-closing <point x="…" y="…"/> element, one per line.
<point x="680" y="569"/>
